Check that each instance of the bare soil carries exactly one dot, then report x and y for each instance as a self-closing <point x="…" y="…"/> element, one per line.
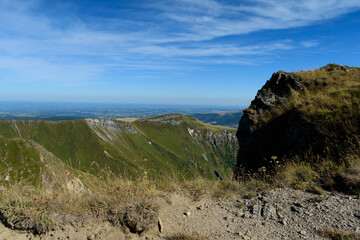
<point x="277" y="214"/>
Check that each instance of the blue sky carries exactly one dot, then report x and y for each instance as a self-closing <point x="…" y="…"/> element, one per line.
<point x="172" y="52"/>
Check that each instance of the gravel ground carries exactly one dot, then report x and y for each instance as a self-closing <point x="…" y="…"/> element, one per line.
<point x="278" y="214"/>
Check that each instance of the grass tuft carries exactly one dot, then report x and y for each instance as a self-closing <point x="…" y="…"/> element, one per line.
<point x="338" y="234"/>
<point x="316" y="190"/>
<point x="186" y="236"/>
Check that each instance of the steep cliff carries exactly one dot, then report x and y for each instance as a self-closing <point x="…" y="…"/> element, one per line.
<point x="303" y="116"/>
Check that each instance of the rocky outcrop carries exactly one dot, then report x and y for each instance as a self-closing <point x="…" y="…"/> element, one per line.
<point x="276" y="125"/>
<point x="253" y="149"/>
<point x="224" y="137"/>
<point x="276" y="91"/>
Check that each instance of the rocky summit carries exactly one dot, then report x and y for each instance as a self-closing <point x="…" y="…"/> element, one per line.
<point x="308" y="115"/>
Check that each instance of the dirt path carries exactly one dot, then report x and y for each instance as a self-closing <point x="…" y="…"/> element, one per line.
<point x="280" y="214"/>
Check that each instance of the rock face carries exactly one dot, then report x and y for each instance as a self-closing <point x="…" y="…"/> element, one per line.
<point x="276" y="91"/>
<point x="213" y="138"/>
<point x="273" y="125"/>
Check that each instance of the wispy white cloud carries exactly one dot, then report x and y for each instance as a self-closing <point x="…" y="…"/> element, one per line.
<point x="310" y="43"/>
<point x="208" y="19"/>
<point x="34" y="45"/>
<point x="214" y="49"/>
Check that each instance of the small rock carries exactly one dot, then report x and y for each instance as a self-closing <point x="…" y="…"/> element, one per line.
<point x="265" y="199"/>
<point x="239" y="213"/>
<point x="269" y="212"/>
<point x="302" y="232"/>
<point x="91" y="237"/>
<point x="7" y="178"/>
<point x="357" y="214"/>
<point x="295" y="209"/>
<point x="298" y="205"/>
<point x="139" y="218"/>
<point x="188" y="213"/>
<point x="283" y="222"/>
<point x="256" y="210"/>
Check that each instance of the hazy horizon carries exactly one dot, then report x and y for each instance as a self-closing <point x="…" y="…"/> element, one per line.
<point x="71" y="110"/>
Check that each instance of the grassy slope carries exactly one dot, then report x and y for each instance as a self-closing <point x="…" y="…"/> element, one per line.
<point x="26" y="161"/>
<point x="18" y="159"/>
<point x="129" y="154"/>
<point x="331" y="104"/>
<point x="71" y="141"/>
<point x="329" y="108"/>
<point x="186" y="151"/>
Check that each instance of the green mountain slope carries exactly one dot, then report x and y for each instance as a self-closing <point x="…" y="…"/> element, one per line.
<point x="27" y="161"/>
<point x="168" y="145"/>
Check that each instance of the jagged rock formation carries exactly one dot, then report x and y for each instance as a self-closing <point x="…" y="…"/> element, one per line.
<point x="213" y="138"/>
<point x="300" y="114"/>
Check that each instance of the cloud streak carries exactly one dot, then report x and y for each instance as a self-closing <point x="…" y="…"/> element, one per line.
<point x="208" y="19"/>
<point x="34" y="45"/>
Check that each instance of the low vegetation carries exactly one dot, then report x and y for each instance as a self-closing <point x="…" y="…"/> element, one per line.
<point x="316" y="178"/>
<point x="339" y="235"/>
<point x="186" y="236"/>
<point x="27" y="207"/>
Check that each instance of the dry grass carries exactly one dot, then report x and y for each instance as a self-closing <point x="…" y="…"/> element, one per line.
<point x="186" y="236"/>
<point x="109" y="192"/>
<point x="104" y="193"/>
<point x="339" y="235"/>
<point x="316" y="189"/>
<point x="325" y="92"/>
<point x="326" y="174"/>
<point x="30" y="208"/>
<point x="298" y="175"/>
<point x="22" y="203"/>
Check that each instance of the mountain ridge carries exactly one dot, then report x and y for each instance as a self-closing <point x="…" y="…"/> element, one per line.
<point x="160" y="146"/>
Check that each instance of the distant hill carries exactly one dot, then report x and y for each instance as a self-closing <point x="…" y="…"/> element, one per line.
<point x="170" y="145"/>
<point x="57" y="111"/>
<point x="227" y="118"/>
